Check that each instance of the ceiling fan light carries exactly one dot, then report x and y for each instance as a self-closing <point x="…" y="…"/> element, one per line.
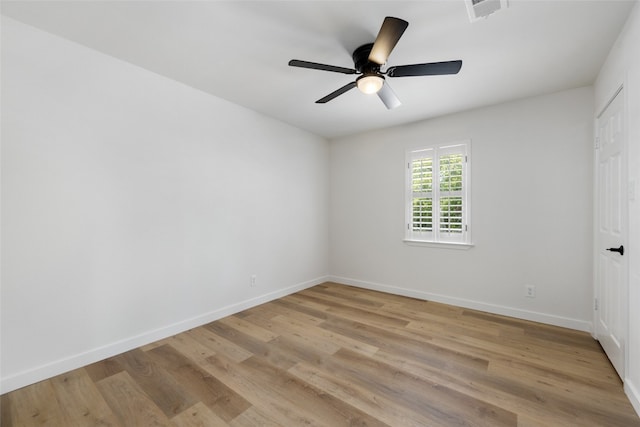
<point x="370" y="83"/>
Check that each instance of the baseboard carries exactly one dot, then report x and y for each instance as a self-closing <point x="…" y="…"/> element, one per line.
<point x="633" y="394"/>
<point x="533" y="316"/>
<point x="57" y="367"/>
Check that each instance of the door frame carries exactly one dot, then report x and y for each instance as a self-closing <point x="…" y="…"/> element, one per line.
<point x="619" y="91"/>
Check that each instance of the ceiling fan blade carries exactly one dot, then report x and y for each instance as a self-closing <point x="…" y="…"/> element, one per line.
<point x="388" y="97"/>
<point x="323" y="67"/>
<point x="388" y="36"/>
<point x="429" y="69"/>
<point x="336" y="93"/>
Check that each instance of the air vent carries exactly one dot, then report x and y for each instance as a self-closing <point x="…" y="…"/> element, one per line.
<point x="483" y="8"/>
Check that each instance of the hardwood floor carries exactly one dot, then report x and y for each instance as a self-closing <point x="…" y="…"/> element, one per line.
<point x="334" y="355"/>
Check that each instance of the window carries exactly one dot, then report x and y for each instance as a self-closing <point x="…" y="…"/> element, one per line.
<point x="437" y="208"/>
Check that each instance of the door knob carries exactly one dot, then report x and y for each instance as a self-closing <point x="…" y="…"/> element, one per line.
<point x="620" y="250"/>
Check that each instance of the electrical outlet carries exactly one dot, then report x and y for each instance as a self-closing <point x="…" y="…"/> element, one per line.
<point x="529" y="291"/>
<point x="252" y="281"/>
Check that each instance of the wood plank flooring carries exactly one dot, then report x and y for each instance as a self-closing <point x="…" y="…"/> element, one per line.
<point x="334" y="355"/>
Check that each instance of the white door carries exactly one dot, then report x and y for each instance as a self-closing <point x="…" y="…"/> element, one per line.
<point x="611" y="222"/>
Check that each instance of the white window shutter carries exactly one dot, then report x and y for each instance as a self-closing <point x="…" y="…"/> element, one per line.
<point x="437" y="194"/>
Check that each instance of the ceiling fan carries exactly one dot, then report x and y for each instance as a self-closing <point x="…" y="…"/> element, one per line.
<point x="370" y="57"/>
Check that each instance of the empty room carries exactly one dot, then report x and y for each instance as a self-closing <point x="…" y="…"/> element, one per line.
<point x="325" y="213"/>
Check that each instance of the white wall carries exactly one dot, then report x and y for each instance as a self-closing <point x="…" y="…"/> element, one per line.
<point x="622" y="68"/>
<point x="531" y="211"/>
<point x="134" y="207"/>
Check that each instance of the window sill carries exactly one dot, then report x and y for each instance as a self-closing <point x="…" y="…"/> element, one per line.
<point x="441" y="245"/>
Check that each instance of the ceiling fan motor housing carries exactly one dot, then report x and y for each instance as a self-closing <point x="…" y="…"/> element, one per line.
<point x="361" y="60"/>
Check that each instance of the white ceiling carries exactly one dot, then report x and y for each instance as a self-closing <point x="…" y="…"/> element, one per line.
<point x="239" y="50"/>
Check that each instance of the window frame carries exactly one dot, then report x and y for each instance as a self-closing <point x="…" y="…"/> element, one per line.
<point x="436" y="237"/>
